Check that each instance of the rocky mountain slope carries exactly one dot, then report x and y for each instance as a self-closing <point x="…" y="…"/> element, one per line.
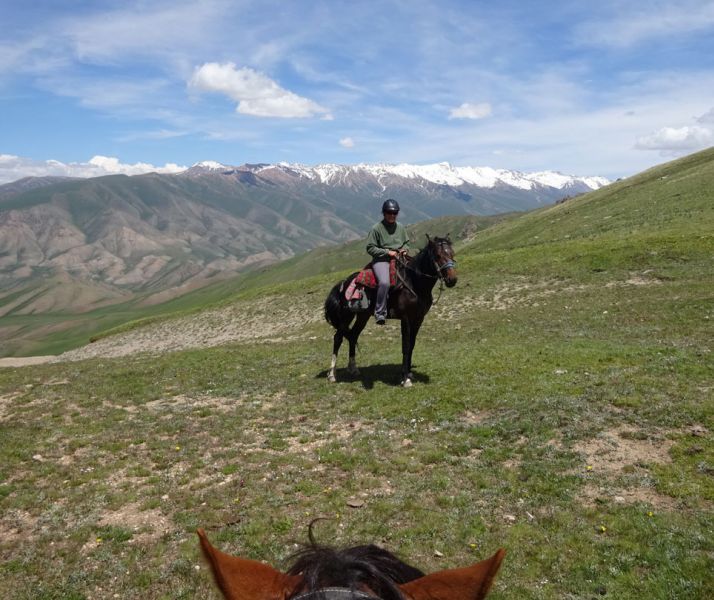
<point x="76" y="244"/>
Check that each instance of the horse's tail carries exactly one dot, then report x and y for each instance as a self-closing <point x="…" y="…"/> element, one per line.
<point x="333" y="305"/>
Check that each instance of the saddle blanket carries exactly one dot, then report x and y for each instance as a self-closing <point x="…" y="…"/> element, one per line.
<point x="366" y="278"/>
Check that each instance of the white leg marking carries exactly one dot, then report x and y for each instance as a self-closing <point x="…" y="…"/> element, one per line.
<point x="407" y="383"/>
<point x="331" y="375"/>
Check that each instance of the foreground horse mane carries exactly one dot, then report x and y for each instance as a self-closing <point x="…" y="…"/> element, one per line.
<point x="353" y="568"/>
<point x="360" y="571"/>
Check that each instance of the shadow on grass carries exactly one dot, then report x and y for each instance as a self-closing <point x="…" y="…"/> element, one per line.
<point x="387" y="374"/>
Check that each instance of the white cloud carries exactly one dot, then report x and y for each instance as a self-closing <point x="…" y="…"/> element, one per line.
<point x="677" y="139"/>
<point x="109" y="164"/>
<point x="14" y="167"/>
<point x="347" y="142"/>
<point x="471" y="111"/>
<point x="256" y="94"/>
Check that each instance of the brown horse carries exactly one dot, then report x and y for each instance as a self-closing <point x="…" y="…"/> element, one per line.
<point x="357" y="573"/>
<point x="408" y="302"/>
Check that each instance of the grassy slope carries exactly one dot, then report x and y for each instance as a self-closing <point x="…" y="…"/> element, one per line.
<point x="563" y="409"/>
<point x="53" y="333"/>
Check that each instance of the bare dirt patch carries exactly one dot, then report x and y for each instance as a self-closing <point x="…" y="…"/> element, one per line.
<point x="17" y="525"/>
<point x="181" y="401"/>
<point x="617" y="464"/>
<point x="146" y="525"/>
<point x="5" y="402"/>
<point x="508" y="295"/>
<point x="25" y="361"/>
<point x="471" y="417"/>
<point x="638" y="279"/>
<point x="625" y="446"/>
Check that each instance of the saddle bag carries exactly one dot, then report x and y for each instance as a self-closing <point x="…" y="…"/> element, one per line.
<point x="359" y="302"/>
<point x="357" y="298"/>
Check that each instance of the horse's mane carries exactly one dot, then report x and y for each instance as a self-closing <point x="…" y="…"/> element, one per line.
<point x="423" y="259"/>
<point x="355" y="567"/>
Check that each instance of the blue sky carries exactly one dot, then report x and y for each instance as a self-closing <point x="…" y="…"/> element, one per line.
<point x="587" y="88"/>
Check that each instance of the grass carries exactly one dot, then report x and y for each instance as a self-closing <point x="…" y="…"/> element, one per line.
<point x="55" y="332"/>
<point x="562" y="409"/>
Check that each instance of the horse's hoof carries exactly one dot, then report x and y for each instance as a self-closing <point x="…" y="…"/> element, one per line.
<point x="407" y="383"/>
<point x="354" y="372"/>
<point x="331" y="378"/>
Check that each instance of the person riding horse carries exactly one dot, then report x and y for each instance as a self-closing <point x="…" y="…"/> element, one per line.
<point x="409" y="302"/>
<point x="387" y="239"/>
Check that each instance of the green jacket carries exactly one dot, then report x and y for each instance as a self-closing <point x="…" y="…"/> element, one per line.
<point x="383" y="238"/>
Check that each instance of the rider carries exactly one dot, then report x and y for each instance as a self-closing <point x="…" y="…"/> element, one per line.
<point x="387" y="239"/>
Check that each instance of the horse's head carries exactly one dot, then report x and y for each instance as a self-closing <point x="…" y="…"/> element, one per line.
<point x="442" y="254"/>
<point x="359" y="573"/>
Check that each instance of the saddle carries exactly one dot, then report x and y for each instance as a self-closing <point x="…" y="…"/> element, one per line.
<point x="367" y="278"/>
<point x="355" y="295"/>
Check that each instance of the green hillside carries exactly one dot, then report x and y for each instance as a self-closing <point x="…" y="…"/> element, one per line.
<point x="671" y="199"/>
<point x="562" y="409"/>
<point x="56" y="332"/>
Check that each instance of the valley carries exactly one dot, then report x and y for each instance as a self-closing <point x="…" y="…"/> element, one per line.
<point x="562" y="409"/>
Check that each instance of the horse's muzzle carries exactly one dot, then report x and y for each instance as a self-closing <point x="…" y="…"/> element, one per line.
<point x="450" y="278"/>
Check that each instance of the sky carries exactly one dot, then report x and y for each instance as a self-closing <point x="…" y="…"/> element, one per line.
<point x="605" y="88"/>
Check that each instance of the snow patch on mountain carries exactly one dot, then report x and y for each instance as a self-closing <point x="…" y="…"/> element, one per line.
<point x="441" y="173"/>
<point x="444" y="174"/>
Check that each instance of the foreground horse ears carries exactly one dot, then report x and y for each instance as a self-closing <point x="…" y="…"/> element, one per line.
<point x="243" y="579"/>
<point x="470" y="583"/>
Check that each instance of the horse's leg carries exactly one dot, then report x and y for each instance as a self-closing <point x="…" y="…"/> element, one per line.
<point x="406" y="352"/>
<point x="414" y="331"/>
<point x="408" y="342"/>
<point x="336" y="343"/>
<point x="355" y="332"/>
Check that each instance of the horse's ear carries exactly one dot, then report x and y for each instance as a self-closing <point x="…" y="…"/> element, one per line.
<point x="470" y="583"/>
<point x="243" y="579"/>
<point x="428" y="239"/>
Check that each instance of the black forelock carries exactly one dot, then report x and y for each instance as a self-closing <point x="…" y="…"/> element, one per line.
<point x="354" y="568"/>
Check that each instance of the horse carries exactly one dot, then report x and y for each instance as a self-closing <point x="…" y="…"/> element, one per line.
<point x="409" y="302"/>
<point x="356" y="573"/>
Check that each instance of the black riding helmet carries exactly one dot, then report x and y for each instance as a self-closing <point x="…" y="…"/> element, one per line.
<point x="390" y="206"/>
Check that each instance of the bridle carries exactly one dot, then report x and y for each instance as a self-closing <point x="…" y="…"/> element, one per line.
<point x="440" y="269"/>
<point x="334" y="593"/>
<point x="449" y="264"/>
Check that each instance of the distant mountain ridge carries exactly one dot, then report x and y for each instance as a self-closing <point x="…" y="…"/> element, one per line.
<point x="112" y="238"/>
<point x="440" y="173"/>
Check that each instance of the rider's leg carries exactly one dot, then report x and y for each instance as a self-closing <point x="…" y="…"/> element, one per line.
<point x="381" y="272"/>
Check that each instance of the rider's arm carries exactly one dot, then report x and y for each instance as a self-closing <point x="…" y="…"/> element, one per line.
<point x="374" y="245"/>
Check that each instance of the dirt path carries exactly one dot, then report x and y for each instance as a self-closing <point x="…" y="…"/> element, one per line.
<point x="25" y="361"/>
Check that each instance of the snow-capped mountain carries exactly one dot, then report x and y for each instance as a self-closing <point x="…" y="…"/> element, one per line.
<point x="107" y="237"/>
<point x="440" y="173"/>
<point x="425" y="191"/>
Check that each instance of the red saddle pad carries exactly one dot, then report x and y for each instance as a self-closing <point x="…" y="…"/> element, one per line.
<point x="366" y="276"/>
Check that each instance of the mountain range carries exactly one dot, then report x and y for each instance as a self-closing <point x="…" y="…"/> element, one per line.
<point x="77" y="244"/>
